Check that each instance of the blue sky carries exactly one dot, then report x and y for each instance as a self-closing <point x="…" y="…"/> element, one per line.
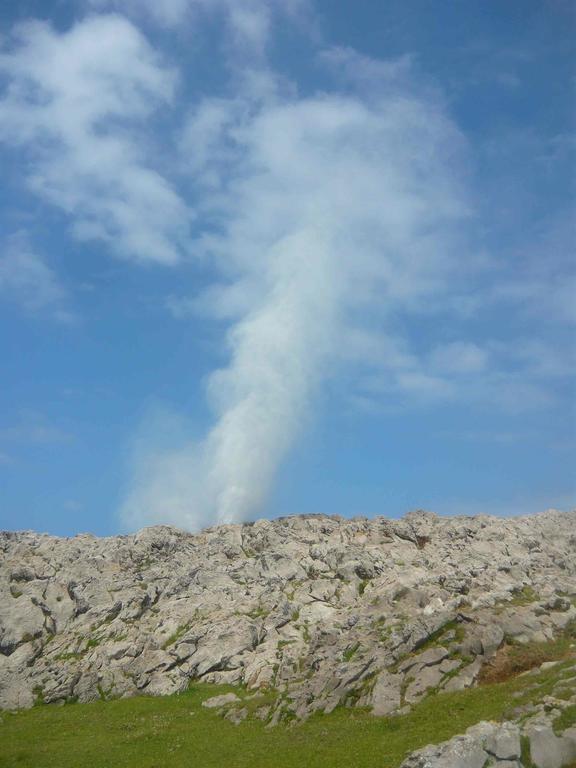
<point x="272" y="257"/>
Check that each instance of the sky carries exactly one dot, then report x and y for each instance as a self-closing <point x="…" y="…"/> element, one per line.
<point x="270" y="257"/>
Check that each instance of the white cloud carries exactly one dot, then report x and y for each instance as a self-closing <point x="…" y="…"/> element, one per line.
<point x="27" y="280"/>
<point x="330" y="208"/>
<point x="513" y="376"/>
<point x="79" y="101"/>
<point x="168" y="13"/>
<point x="459" y="357"/>
<point x="538" y="276"/>
<point x="248" y="22"/>
<point x="33" y="428"/>
<point x="329" y="218"/>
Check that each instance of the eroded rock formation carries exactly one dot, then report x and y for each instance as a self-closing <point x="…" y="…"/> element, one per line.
<point x="325" y="610"/>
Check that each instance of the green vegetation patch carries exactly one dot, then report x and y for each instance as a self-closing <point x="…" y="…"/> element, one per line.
<point x="258" y="613"/>
<point x="566" y="720"/>
<point x="524" y="596"/>
<point x="177" y="732"/>
<point x="175" y="636"/>
<point x="350" y="652"/>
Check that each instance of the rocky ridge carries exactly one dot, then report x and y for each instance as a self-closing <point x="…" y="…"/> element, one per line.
<point x="326" y="611"/>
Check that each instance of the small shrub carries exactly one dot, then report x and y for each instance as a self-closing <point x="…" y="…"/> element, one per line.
<point x="512" y="659"/>
<point x="524" y="596"/>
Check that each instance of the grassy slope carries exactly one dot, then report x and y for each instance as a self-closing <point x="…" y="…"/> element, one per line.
<point x="176" y="732"/>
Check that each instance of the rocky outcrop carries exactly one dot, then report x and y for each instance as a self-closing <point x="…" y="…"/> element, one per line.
<point x="499" y="745"/>
<point x="327" y="611"/>
<point x="483" y="745"/>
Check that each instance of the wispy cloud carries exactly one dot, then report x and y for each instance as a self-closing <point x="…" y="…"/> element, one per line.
<point x="329" y="220"/>
<point x="32" y="428"/>
<point x="5" y="459"/>
<point x="28" y="281"/>
<point x="247" y="22"/>
<point x="508" y="375"/>
<point x="169" y="13"/>
<point x="80" y="100"/>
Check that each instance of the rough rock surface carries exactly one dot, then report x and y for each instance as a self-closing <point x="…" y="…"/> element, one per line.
<point x="499" y="744"/>
<point x="326" y="610"/>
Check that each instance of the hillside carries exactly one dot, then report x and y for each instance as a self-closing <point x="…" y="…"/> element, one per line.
<point x="376" y="621"/>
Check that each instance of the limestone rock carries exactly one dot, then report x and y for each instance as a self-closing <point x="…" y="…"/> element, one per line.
<point x="482" y="745"/>
<point x="551" y="751"/>
<point x="386" y="693"/>
<point x="328" y="610"/>
<point x="221" y="701"/>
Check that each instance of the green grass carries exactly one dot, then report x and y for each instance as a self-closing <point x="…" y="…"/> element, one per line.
<point x="524" y="596"/>
<point x="68" y="656"/>
<point x="350" y="652"/>
<point x="566" y="720"/>
<point x="258" y="613"/>
<point x="175" y="636"/>
<point x="176" y="732"/>
<point x="525" y="754"/>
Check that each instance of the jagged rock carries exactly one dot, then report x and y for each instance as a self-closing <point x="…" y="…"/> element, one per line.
<point x="550" y="751"/>
<point x="221" y="701"/>
<point x="504" y="743"/>
<point x="329" y="610"/>
<point x="466" y="751"/>
<point x="482" y="745"/>
<point x="465" y="678"/>
<point x="236" y="715"/>
<point x="498" y="745"/>
<point x="421" y="681"/>
<point x="20" y="621"/>
<point x="386" y="693"/>
<point x="428" y="658"/>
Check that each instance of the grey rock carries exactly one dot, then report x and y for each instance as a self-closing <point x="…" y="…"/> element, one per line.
<point x="386" y="693"/>
<point x="221" y="701"/>
<point x="551" y="751"/>
<point x="328" y="610"/>
<point x="466" y="678"/>
<point x="427" y="678"/>
<point x="504" y="743"/>
<point x="482" y="745"/>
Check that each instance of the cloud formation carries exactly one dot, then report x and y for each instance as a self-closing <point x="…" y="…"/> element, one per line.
<point x="329" y="209"/>
<point x="248" y="23"/>
<point x="80" y="100"/>
<point x="33" y="428"/>
<point x="27" y="280"/>
<point x="328" y="220"/>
